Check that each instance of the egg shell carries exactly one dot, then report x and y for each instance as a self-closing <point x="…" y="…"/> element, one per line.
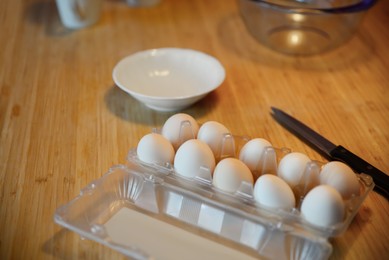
<point x="192" y="157"/>
<point x="251" y="154"/>
<point x="230" y="173"/>
<point x="291" y="168"/>
<point x="179" y="128"/>
<point x="154" y="148"/>
<point x="214" y="134"/>
<point x="323" y="206"/>
<point x="341" y="177"/>
<point x="273" y="192"/>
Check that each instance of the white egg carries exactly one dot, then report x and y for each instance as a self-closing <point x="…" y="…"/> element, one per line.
<point x="154" y="148"/>
<point x="251" y="154"/>
<point x="192" y="157"/>
<point x="214" y="134"/>
<point x="341" y="177"/>
<point x="291" y="168"/>
<point x="179" y="128"/>
<point x="323" y="206"/>
<point x="273" y="192"/>
<point x="230" y="173"/>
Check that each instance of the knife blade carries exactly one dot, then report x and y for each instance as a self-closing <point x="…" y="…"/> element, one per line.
<point x="333" y="152"/>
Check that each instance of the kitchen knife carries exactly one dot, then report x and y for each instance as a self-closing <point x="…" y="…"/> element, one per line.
<point x="332" y="151"/>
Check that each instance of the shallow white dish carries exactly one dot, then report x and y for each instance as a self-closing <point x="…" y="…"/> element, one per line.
<point x="168" y="79"/>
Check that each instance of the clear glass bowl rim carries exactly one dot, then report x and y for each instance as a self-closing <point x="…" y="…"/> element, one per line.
<point x="283" y="6"/>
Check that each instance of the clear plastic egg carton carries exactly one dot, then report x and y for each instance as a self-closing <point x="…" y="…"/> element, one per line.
<point x="147" y="211"/>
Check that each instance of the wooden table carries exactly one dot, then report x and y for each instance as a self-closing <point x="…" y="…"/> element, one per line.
<point x="63" y="122"/>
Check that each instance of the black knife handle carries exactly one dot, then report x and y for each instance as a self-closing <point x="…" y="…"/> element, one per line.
<point x="380" y="179"/>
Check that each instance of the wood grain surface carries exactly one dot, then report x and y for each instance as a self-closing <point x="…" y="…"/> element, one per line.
<point x="63" y="122"/>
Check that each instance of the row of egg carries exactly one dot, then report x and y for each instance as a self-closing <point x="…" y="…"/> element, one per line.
<point x="191" y="149"/>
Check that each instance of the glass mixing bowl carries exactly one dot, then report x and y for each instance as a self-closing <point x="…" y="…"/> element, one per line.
<point x="303" y="27"/>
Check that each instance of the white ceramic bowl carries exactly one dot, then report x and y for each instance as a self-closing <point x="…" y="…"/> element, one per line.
<point x="168" y="79"/>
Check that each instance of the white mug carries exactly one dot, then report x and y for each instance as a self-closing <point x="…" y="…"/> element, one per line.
<point x="76" y="14"/>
